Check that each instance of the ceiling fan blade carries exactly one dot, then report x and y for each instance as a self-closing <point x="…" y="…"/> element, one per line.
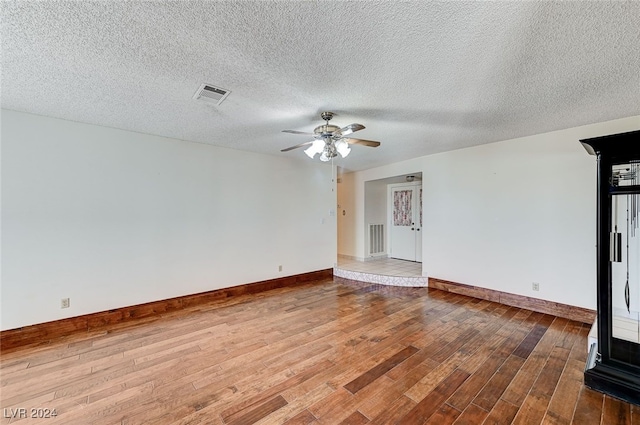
<point x="298" y="132"/>
<point x="371" y="143"/>
<point x="351" y="128"/>
<point x="297" y="146"/>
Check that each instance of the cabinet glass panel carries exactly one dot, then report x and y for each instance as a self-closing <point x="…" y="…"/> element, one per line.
<point x="625" y="264"/>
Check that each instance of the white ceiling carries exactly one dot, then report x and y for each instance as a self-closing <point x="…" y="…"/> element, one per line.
<point x="423" y="77"/>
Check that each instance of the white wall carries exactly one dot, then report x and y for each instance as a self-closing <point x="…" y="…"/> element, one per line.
<point x="348" y="212"/>
<point x="111" y="218"/>
<point x="375" y="212"/>
<point x="507" y="214"/>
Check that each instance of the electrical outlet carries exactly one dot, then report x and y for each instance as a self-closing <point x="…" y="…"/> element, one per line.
<point x="280" y="268"/>
<point x="65" y="303"/>
<point x="535" y="286"/>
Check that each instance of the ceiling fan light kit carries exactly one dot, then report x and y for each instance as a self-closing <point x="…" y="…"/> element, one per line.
<point x="317" y="146"/>
<point x="330" y="140"/>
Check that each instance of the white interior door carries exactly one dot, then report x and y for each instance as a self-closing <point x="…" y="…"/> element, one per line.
<point x="405" y="205"/>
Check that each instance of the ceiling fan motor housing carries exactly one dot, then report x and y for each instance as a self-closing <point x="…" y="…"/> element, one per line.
<point x="326" y="130"/>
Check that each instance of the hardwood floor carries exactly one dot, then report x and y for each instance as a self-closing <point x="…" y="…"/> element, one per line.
<point x="329" y="352"/>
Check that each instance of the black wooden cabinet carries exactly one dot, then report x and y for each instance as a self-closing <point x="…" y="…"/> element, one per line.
<point x="613" y="366"/>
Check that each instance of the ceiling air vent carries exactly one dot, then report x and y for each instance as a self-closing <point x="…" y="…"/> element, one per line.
<point x="211" y="94"/>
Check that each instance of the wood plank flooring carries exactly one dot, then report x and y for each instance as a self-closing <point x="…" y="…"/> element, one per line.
<point x="328" y="352"/>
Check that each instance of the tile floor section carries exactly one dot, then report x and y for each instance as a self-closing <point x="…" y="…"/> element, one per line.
<point x="384" y="271"/>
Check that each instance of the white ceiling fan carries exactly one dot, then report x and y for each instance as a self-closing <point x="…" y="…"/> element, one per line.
<point x="331" y="140"/>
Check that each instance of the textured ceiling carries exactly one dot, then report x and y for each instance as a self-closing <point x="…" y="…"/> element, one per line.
<point x="423" y="77"/>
